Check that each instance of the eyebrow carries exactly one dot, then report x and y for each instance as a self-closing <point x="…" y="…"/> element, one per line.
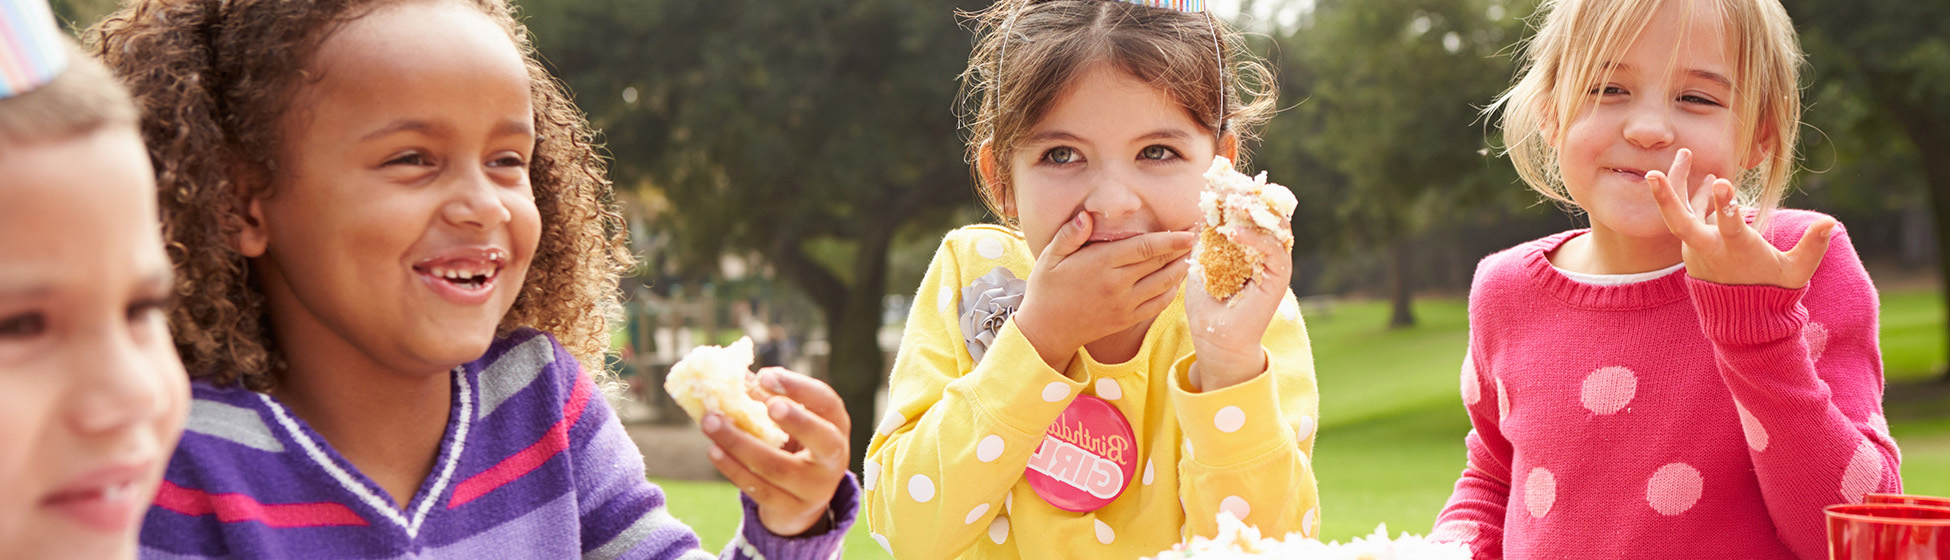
<point x="504" y="128"/>
<point x="1160" y="134"/>
<point x="1707" y="75"/>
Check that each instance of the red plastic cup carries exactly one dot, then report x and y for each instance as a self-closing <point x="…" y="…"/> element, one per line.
<point x="1911" y="499"/>
<point x="1888" y="532"/>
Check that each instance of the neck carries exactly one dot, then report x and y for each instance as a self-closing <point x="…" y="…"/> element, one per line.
<point x="1120" y="346"/>
<point x="1604" y="251"/>
<point x="388" y="423"/>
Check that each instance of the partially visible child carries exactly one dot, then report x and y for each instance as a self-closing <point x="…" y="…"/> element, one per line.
<point x="397" y="255"/>
<point x="1032" y="348"/>
<point x="92" y="397"/>
<point x="1696" y="375"/>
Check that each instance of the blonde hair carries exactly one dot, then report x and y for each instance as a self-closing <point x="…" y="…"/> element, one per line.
<point x="1577" y="37"/>
<point x="80" y="100"/>
<point x="1029" y="51"/>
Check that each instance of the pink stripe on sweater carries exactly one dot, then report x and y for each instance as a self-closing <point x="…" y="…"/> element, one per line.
<point x="527" y="460"/>
<point x="234" y="508"/>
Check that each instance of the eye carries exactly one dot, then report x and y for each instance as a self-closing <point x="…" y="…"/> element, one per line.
<point x="1061" y="155"/>
<point x="147" y="309"/>
<point x="1691" y="98"/>
<point x="508" y="161"/>
<point x="410" y="158"/>
<point x="24" y="325"/>
<point x="1157" y="152"/>
<point x="1606" y="90"/>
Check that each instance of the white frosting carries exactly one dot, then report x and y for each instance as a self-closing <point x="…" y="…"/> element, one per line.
<point x="1233" y="199"/>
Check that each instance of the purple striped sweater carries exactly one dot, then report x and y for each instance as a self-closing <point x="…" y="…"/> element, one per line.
<point x="534" y="464"/>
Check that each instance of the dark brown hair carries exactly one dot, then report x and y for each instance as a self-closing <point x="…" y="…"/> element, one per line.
<point x="212" y="78"/>
<point x="1029" y="51"/>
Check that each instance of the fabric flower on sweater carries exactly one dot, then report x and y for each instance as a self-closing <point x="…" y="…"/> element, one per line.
<point x="985" y="304"/>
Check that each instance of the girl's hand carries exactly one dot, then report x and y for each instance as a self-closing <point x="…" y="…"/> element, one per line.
<point x="1227" y="336"/>
<point x="1079" y="294"/>
<point x="1716" y="242"/>
<point x="794" y="485"/>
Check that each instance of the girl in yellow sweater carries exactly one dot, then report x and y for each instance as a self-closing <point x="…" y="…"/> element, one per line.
<point x="1061" y="390"/>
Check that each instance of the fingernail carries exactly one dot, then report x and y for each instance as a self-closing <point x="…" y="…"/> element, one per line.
<point x="1077" y="221"/>
<point x="778" y="409"/>
<point x="771" y="381"/>
<point x="716" y="454"/>
<point x="712" y="423"/>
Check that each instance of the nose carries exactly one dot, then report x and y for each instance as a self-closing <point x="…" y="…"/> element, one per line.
<point x="123" y="383"/>
<point x="476" y="202"/>
<point x="1112" y="196"/>
<point x="1649" y="125"/>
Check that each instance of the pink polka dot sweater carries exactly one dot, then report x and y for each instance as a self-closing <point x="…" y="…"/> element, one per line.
<point x="1672" y="418"/>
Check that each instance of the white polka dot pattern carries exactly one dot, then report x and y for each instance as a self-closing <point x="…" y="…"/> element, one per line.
<point x="1055" y="391"/>
<point x="1456" y="531"/>
<point x="872" y="472"/>
<point x="947" y="299"/>
<point x="999" y="529"/>
<point x="1816" y="335"/>
<point x="1289" y="308"/>
<point x="1148" y="472"/>
<point x="1309" y="523"/>
<point x="1237" y="506"/>
<point x="1674" y="488"/>
<point x="1472" y="391"/>
<point x="892" y="421"/>
<point x="1609" y="389"/>
<point x="976" y="514"/>
<point x="1750" y="426"/>
<point x="1009" y="503"/>
<point x="1109" y="390"/>
<point x="989" y="449"/>
<point x="1104" y="534"/>
<point x="921" y="488"/>
<point x="1306" y="429"/>
<point x="1864" y="472"/>
<point x="882" y="539"/>
<point x="1229" y="419"/>
<point x="989" y="248"/>
<point x="1539" y="492"/>
<point x="1502" y="403"/>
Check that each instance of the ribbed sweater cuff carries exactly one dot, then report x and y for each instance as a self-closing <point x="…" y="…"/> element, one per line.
<point x="1747" y="315"/>
<point x="843" y="508"/>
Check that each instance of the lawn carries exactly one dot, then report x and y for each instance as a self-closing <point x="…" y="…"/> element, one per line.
<point x="1390" y="443"/>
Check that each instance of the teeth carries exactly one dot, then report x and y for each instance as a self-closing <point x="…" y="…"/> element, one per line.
<point x="116" y="493"/>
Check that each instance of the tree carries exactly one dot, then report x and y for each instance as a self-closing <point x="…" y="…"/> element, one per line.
<point x="811" y="133"/>
<point x="1894" y="54"/>
<point x="1394" y="115"/>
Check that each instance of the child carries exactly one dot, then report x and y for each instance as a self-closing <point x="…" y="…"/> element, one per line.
<point x="92" y="397"/>
<point x="1110" y="416"/>
<point x="384" y="215"/>
<point x="1619" y="405"/>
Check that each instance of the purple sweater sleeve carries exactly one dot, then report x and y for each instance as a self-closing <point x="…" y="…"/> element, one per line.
<point x="1805" y="373"/>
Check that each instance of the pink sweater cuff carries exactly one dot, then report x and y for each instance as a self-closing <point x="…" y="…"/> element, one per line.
<point x="1747" y="315"/>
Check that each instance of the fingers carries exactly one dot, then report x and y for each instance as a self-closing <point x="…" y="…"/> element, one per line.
<point x="1727" y="213"/>
<point x="1070" y="237"/>
<point x="1149" y="250"/>
<point x="1164" y="281"/>
<point x="815" y="395"/>
<point x="1278" y="264"/>
<point x="1672" y="206"/>
<point x="1808" y="252"/>
<point x="732" y="447"/>
<point x="750" y="483"/>
<point x="1681" y="177"/>
<point x="825" y="441"/>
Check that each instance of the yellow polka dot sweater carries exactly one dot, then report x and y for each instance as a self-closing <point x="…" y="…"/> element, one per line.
<point x="945" y="472"/>
<point x="1669" y="418"/>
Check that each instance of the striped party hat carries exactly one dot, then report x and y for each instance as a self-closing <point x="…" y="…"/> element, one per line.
<point x="1180" y="5"/>
<point x="31" y="53"/>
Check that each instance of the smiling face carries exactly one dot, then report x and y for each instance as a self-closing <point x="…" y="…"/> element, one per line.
<point x="1115" y="147"/>
<point x="92" y="397"/>
<point x="1671" y="89"/>
<point x="401" y="222"/>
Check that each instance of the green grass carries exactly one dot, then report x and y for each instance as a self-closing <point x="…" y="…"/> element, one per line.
<point x="1390" y="445"/>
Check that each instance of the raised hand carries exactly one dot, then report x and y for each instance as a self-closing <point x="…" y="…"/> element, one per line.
<point x="1079" y="294"/>
<point x="1226" y="335"/>
<point x="1717" y="243"/>
<point x="794" y="485"/>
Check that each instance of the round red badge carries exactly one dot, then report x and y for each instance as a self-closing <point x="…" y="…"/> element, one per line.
<point x="1087" y="457"/>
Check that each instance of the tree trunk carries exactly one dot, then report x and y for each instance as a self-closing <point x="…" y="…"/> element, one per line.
<point x="1402" y="314"/>
<point x="1929" y="129"/>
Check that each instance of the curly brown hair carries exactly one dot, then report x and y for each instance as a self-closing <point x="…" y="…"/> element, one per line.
<point x="1030" y="51"/>
<point x="212" y="77"/>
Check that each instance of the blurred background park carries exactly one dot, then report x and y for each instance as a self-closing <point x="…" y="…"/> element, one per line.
<point x="787" y="169"/>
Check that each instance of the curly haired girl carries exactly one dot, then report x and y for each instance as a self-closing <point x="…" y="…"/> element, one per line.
<point x="395" y="244"/>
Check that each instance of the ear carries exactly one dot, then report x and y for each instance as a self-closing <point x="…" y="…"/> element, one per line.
<point x="1762" y="148"/>
<point x="250" y="237"/>
<point x="985" y="163"/>
<point x="1229" y="146"/>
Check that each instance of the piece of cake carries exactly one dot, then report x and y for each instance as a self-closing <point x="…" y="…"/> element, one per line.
<point x="1232" y="201"/>
<point x="714" y="379"/>
<point x="1238" y="540"/>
